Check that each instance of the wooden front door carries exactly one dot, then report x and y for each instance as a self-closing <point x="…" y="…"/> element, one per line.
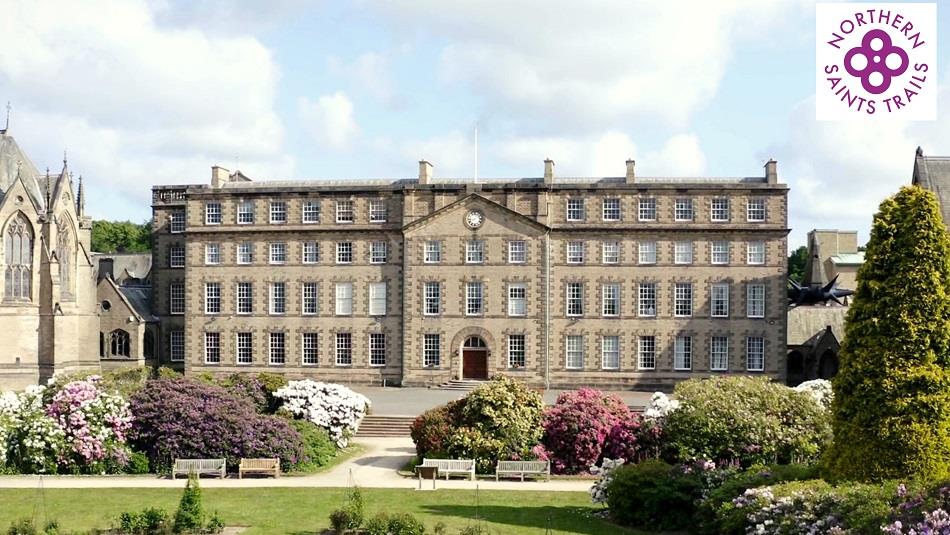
<point x="474" y="364"/>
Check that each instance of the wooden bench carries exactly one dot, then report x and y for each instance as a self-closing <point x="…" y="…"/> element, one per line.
<point x="259" y="466"/>
<point x="522" y="468"/>
<point x="452" y="466"/>
<point x="199" y="466"/>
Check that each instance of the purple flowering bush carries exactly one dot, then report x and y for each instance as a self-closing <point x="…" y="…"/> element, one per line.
<point x="579" y="424"/>
<point x="182" y="418"/>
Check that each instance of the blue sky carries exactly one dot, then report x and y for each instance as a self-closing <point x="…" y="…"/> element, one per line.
<point x="156" y="91"/>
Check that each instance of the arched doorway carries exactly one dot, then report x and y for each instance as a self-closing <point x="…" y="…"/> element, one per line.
<point x="474" y="358"/>
<point x="828" y="365"/>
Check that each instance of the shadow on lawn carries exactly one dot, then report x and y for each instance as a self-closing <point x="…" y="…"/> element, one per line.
<point x="558" y="519"/>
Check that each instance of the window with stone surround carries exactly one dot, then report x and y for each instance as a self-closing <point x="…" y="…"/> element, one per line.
<point x="309" y="303"/>
<point x="755" y="300"/>
<point x="517" y="252"/>
<point x="646" y="353"/>
<point x="344" y="252"/>
<point x="432" y="253"/>
<point x="719" y="252"/>
<point x="244" y="348"/>
<point x="278" y="298"/>
<point x="683" y="299"/>
<point x="245" y="298"/>
<point x="755" y="354"/>
<point x="245" y="253"/>
<point x="277" y="349"/>
<point x="344" y="299"/>
<point x="344" y="349"/>
<point x="377" y="349"/>
<point x="611" y="209"/>
<point x="377" y="211"/>
<point x="474" y="299"/>
<point x="517" y="299"/>
<point x="311" y="252"/>
<point x="647" y="209"/>
<point x="176" y="255"/>
<point x="575" y="210"/>
<point x="378" y="251"/>
<point x="212" y="348"/>
<point x="610" y="352"/>
<point x="176" y="298"/>
<point x="278" y="212"/>
<point x="431" y="350"/>
<point x="646" y="306"/>
<point x="212" y="213"/>
<point x="344" y="211"/>
<point x="516" y="351"/>
<point x="683" y="353"/>
<point x="610" y="300"/>
<point x="575" y="252"/>
<point x="176" y="223"/>
<point x="647" y="252"/>
<point x="309" y="349"/>
<point x="474" y="252"/>
<point x="755" y="253"/>
<point x="719" y="353"/>
<point x="212" y="298"/>
<point x="610" y="252"/>
<point x="433" y="298"/>
<point x="377" y="299"/>
<point x="245" y="213"/>
<point x="278" y="253"/>
<point x="212" y="254"/>
<point x="176" y="346"/>
<point x="683" y="209"/>
<point x="311" y="211"/>
<point x="755" y="210"/>
<point x="575" y="298"/>
<point x="719" y="300"/>
<point x="719" y="209"/>
<point x="574" y="352"/>
<point x="683" y="252"/>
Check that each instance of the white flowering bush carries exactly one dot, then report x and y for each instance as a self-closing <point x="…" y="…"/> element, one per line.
<point x="605" y="474"/>
<point x="333" y="407"/>
<point x="660" y="407"/>
<point x="819" y="390"/>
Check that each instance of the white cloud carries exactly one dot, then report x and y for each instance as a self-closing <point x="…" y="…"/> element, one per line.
<point x="330" y="119"/>
<point x="592" y="64"/>
<point x="137" y="103"/>
<point x="370" y="73"/>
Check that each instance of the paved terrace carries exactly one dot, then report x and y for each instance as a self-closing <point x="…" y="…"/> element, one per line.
<point x="375" y="468"/>
<point x="394" y="401"/>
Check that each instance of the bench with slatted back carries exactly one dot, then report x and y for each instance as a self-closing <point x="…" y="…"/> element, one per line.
<point x="523" y="468"/>
<point x="199" y="466"/>
<point x="464" y="467"/>
<point x="259" y="466"/>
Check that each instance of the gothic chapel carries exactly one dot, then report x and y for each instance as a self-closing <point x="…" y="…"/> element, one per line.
<point x="48" y="307"/>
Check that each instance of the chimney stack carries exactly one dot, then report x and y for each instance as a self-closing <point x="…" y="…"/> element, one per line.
<point x="425" y="172"/>
<point x="219" y="176"/>
<point x="631" y="171"/>
<point x="771" y="171"/>
<point x="549" y="171"/>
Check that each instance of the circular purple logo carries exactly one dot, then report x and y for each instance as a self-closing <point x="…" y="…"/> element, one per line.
<point x="876" y="61"/>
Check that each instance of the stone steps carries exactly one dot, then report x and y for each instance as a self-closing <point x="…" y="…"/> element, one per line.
<point x="465" y="385"/>
<point x="385" y="426"/>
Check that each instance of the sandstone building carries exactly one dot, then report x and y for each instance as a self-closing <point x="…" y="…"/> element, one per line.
<point x="627" y="282"/>
<point x="48" y="297"/>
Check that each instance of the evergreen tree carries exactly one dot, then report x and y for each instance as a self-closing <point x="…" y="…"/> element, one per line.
<point x="796" y="264"/>
<point x="189" y="517"/>
<point x="891" y="408"/>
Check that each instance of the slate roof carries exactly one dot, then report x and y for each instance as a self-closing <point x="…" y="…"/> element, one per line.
<point x="127" y="265"/>
<point x="139" y="297"/>
<point x="804" y="322"/>
<point x="11" y="157"/>
<point x="933" y="173"/>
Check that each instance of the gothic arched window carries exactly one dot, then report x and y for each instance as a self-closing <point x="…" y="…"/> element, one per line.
<point x="64" y="253"/>
<point x="18" y="256"/>
<point x="119" y="343"/>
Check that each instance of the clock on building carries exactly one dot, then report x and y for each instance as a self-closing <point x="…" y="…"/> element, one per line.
<point x="474" y="218"/>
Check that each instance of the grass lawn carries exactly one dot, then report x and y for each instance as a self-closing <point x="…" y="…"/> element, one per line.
<point x="352" y="450"/>
<point x="305" y="511"/>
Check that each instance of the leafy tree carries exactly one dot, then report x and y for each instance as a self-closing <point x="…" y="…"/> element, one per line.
<point x="796" y="264"/>
<point x="891" y="408"/>
<point x="121" y="237"/>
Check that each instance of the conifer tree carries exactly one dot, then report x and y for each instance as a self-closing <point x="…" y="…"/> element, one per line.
<point x="891" y="408"/>
<point x="189" y="518"/>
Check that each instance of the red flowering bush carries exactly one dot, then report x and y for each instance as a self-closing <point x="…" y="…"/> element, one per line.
<point x="577" y="426"/>
<point x="430" y="429"/>
<point x="181" y="418"/>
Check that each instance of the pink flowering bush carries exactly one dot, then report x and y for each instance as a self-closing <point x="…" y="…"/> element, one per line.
<point x="577" y="427"/>
<point x="95" y="425"/>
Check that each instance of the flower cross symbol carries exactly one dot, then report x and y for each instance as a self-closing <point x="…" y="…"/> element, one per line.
<point x="876" y="61"/>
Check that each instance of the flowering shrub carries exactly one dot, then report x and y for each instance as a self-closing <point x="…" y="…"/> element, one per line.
<point x="430" y="429"/>
<point x="747" y="420"/>
<point x="333" y="407"/>
<point x="577" y="426"/>
<point x="182" y="418"/>
<point x="819" y="390"/>
<point x="34" y="441"/>
<point x="653" y="495"/>
<point x="660" y="407"/>
<point x="605" y="474"/>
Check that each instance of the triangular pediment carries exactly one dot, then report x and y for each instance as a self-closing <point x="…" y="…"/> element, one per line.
<point x="495" y="219"/>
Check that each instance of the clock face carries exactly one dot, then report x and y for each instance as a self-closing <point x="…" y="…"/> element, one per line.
<point x="474" y="219"/>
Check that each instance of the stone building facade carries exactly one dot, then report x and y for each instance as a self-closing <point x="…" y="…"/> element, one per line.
<point x="48" y="313"/>
<point x="627" y="282"/>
